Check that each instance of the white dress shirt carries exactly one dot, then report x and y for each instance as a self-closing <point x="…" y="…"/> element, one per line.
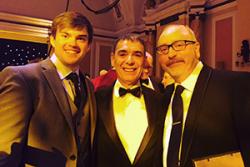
<point x="188" y="84"/>
<point x="63" y="72"/>
<point x="130" y="119"/>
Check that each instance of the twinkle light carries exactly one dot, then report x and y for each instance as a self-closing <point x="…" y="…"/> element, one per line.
<point x="16" y="53"/>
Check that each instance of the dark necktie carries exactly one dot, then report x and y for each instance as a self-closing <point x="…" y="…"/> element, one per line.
<point x="136" y="91"/>
<point x="176" y="133"/>
<point x="74" y="78"/>
<point x="145" y="81"/>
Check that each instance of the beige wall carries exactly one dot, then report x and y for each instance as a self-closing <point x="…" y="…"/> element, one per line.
<point x="239" y="11"/>
<point x="100" y="55"/>
<point x="206" y="48"/>
<point x="242" y="23"/>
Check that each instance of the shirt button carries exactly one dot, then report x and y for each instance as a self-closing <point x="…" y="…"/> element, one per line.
<point x="72" y="157"/>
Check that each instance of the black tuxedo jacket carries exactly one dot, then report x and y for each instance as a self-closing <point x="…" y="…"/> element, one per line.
<point x="218" y="119"/>
<point x="156" y="84"/>
<point x="36" y="123"/>
<point x="109" y="149"/>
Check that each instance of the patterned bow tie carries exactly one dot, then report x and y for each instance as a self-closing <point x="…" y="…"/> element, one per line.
<point x="136" y="91"/>
<point x="145" y="81"/>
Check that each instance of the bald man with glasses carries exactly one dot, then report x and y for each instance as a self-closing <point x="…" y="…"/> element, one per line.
<point x="208" y="111"/>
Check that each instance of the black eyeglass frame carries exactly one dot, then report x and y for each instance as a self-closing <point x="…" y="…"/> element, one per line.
<point x="187" y="42"/>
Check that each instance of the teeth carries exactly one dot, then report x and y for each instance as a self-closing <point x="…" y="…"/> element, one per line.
<point x="70" y="51"/>
<point x="129" y="69"/>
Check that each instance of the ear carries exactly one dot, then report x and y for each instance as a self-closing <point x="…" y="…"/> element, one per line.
<point x="52" y="40"/>
<point x="197" y="50"/>
<point x="112" y="59"/>
<point x="89" y="46"/>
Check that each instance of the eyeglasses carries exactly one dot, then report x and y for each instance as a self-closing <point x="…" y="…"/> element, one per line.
<point x="177" y="46"/>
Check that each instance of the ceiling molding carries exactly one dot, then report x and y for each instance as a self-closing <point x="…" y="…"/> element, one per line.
<point x="24" y="28"/>
<point x="221" y="6"/>
<point x="173" y="6"/>
<point x="24" y="20"/>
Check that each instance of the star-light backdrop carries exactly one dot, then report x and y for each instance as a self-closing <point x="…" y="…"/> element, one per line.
<point x="16" y="53"/>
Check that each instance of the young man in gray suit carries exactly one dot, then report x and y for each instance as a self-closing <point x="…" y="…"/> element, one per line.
<point x="47" y="109"/>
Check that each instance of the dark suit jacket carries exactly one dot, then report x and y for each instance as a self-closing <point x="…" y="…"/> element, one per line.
<point x="155" y="83"/>
<point x="36" y="118"/>
<point x="110" y="151"/>
<point x="218" y="119"/>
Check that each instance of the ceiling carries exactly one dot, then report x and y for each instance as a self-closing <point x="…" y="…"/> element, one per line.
<point x="131" y="10"/>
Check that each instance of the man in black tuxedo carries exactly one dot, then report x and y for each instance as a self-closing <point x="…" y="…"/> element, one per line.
<point x="128" y="112"/>
<point x="215" y="104"/>
<point x="47" y="109"/>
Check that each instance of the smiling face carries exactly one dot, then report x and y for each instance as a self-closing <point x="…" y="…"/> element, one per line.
<point x="128" y="61"/>
<point x="70" y="45"/>
<point x="179" y="64"/>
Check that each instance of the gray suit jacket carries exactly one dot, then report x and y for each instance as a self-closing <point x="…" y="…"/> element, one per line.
<point x="36" y="124"/>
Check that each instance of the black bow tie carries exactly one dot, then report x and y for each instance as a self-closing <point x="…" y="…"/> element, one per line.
<point x="145" y="81"/>
<point x="136" y="91"/>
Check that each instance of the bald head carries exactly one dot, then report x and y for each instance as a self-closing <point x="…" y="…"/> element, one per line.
<point x="178" y="51"/>
<point x="149" y="59"/>
<point x="174" y="33"/>
<point x="148" y="66"/>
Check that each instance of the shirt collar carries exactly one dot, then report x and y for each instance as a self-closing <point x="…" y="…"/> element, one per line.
<point x="62" y="70"/>
<point x="190" y="81"/>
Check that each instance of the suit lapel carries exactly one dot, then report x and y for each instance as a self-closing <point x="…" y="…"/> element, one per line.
<point x="109" y="123"/>
<point x="151" y="114"/>
<point x="57" y="88"/>
<point x="90" y="107"/>
<point x="194" y="111"/>
<point x="155" y="84"/>
<point x="107" y="116"/>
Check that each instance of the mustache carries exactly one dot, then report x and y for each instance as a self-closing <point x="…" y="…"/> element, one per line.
<point x="173" y="61"/>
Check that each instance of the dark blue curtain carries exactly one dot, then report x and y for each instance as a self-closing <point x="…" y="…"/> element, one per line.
<point x="15" y="53"/>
